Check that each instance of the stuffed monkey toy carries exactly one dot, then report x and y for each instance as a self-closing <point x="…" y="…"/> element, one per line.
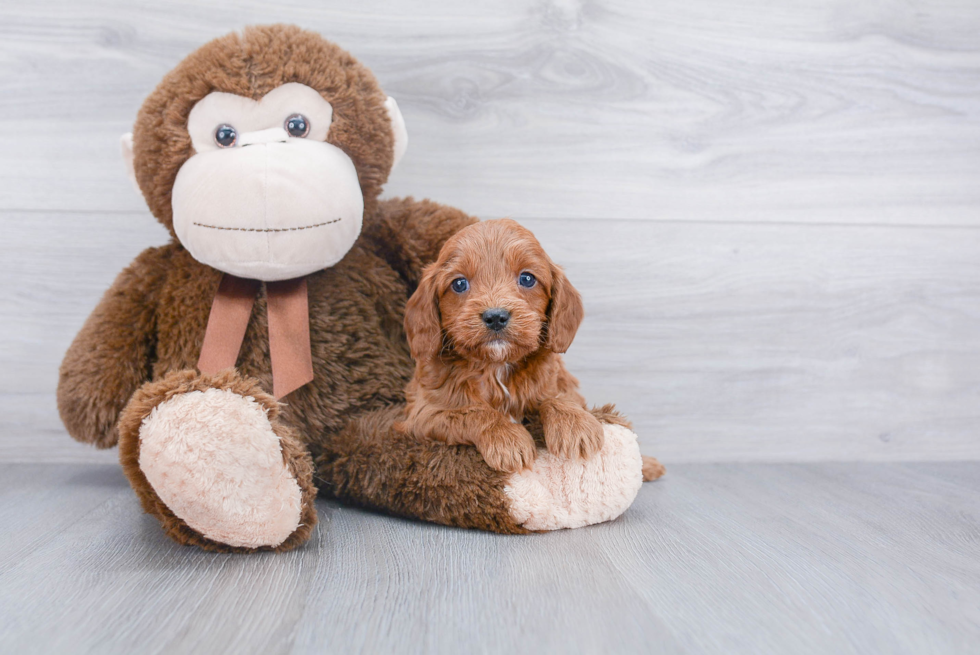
<point x="260" y="356"/>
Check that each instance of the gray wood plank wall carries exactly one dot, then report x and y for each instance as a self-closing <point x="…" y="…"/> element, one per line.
<point x="772" y="209"/>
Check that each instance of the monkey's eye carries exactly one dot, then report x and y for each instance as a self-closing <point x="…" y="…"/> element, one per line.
<point x="526" y="280"/>
<point x="460" y="285"/>
<point x="225" y="136"/>
<point x="297" y="125"/>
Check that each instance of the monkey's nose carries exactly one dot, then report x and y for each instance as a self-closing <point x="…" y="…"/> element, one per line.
<point x="496" y="318"/>
<point x="271" y="135"/>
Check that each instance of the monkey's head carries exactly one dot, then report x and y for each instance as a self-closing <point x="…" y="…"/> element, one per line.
<point x="261" y="151"/>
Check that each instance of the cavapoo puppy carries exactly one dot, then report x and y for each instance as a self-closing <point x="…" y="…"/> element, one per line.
<point x="485" y="327"/>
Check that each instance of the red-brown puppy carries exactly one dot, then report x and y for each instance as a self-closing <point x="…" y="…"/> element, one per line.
<point x="486" y="326"/>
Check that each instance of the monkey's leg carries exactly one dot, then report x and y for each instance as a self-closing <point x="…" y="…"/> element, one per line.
<point x="371" y="464"/>
<point x="652" y="469"/>
<point x="208" y="456"/>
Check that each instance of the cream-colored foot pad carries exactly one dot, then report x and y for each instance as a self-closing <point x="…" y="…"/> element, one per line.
<point x="215" y="461"/>
<point x="561" y="493"/>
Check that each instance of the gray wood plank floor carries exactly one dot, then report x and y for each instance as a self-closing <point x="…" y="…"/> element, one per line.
<point x="723" y="558"/>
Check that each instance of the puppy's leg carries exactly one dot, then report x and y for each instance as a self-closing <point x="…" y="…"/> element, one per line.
<point x="505" y="446"/>
<point x="570" y="431"/>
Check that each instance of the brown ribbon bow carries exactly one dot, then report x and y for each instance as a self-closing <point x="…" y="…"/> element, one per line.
<point x="289" y="330"/>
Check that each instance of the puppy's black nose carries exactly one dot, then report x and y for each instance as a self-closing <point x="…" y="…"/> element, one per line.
<point x="496" y="318"/>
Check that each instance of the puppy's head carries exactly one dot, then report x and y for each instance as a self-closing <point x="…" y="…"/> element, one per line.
<point x="492" y="295"/>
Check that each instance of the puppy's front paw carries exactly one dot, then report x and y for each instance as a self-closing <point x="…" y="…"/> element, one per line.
<point x="508" y="447"/>
<point x="572" y="434"/>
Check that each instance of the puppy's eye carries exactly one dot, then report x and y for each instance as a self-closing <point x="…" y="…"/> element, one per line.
<point x="225" y="136"/>
<point x="460" y="285"/>
<point x="297" y="126"/>
<point x="526" y="280"/>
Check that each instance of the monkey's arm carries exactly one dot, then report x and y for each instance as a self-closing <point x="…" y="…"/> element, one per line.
<point x="372" y="464"/>
<point x="411" y="232"/>
<point x="112" y="354"/>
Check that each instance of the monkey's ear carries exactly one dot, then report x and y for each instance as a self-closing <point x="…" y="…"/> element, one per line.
<point x="565" y="312"/>
<point x="398" y="127"/>
<point x="422" y="324"/>
<point x="127" y="152"/>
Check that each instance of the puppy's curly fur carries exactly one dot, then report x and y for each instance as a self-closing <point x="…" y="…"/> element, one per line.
<point x="478" y="381"/>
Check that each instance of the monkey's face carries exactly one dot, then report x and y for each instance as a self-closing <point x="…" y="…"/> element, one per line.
<point x="264" y="195"/>
<point x="262" y="150"/>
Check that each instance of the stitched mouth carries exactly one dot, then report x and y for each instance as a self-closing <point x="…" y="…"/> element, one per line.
<point x="271" y="229"/>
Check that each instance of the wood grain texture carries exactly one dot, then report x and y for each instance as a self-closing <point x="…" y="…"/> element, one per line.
<point x="722" y="342"/>
<point x="709" y="110"/>
<point x="794" y="274"/>
<point x="735" y="558"/>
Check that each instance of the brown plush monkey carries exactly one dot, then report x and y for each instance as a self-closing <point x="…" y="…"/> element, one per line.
<point x="264" y="153"/>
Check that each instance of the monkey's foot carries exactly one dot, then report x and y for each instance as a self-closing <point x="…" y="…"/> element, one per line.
<point x="558" y="493"/>
<point x="208" y="456"/>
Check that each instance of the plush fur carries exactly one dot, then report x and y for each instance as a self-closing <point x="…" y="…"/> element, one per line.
<point x="251" y="64"/>
<point x="179" y="384"/>
<point x="535" y="504"/>
<point x="214" y="458"/>
<point x="476" y="385"/>
<point x="137" y="352"/>
<point x="376" y="466"/>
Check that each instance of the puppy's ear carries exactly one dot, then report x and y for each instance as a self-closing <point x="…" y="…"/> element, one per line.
<point x="422" y="325"/>
<point x="564" y="313"/>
